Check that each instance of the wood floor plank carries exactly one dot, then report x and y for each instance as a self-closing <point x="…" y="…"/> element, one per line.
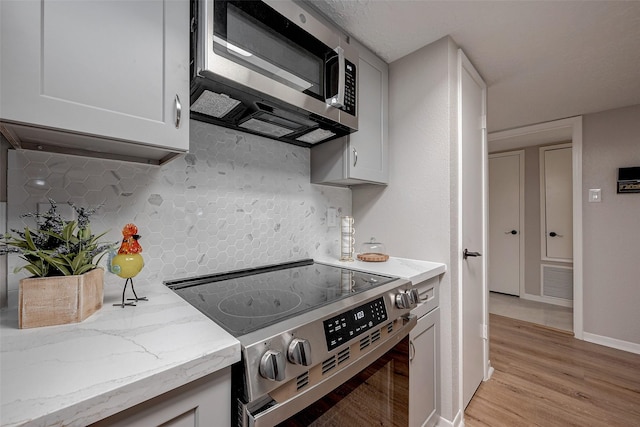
<point x="545" y="377"/>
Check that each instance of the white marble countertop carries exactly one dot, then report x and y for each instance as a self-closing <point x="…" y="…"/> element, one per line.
<point x="411" y="269"/>
<point x="73" y="375"/>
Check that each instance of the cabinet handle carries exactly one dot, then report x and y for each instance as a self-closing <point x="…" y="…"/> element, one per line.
<point x="554" y="234"/>
<point x="178" y="111"/>
<point x="355" y="157"/>
<point x="412" y="351"/>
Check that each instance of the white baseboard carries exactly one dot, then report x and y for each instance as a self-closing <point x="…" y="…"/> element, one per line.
<point x="548" y="300"/>
<point x="490" y="371"/>
<point x="612" y="342"/>
<point x="458" y="421"/>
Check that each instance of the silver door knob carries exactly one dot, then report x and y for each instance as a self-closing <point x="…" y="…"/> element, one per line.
<point x="299" y="352"/>
<point x="272" y="365"/>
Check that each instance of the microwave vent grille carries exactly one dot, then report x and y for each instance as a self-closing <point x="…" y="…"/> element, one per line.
<point x="214" y="104"/>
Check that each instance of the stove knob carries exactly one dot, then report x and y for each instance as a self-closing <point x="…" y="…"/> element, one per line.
<point x="415" y="295"/>
<point x="403" y="300"/>
<point x="272" y="365"/>
<point x="299" y="352"/>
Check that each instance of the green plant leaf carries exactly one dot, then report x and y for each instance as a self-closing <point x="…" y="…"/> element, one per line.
<point x="57" y="264"/>
<point x="28" y="239"/>
<point x="85" y="268"/>
<point x="78" y="261"/>
<point x="31" y="268"/>
<point x="67" y="231"/>
<point x="47" y="252"/>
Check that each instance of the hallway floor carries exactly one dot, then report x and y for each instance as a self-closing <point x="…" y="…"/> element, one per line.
<point x="550" y="315"/>
<point x="547" y="378"/>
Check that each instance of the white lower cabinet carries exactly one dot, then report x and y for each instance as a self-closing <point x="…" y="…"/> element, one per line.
<point x="204" y="402"/>
<point x="423" y="370"/>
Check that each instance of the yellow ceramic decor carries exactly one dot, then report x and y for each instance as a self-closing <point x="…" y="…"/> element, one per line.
<point x="127" y="265"/>
<point x="128" y="262"/>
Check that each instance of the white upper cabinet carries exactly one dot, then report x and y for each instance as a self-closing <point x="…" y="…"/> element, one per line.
<point x="114" y="71"/>
<point x="360" y="157"/>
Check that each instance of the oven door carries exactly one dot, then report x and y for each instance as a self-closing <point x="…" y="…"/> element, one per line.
<point x="377" y="396"/>
<point x="374" y="390"/>
<point x="279" y="49"/>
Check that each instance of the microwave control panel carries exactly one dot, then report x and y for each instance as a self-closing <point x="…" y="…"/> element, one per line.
<point x="350" y="96"/>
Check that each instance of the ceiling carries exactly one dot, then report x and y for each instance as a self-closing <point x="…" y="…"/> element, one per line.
<point x="541" y="60"/>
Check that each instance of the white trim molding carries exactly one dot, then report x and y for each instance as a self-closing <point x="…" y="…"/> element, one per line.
<point x="458" y="421"/>
<point x="548" y="300"/>
<point x="631" y="347"/>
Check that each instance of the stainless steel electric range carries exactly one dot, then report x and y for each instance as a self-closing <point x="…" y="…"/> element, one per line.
<point x="305" y="328"/>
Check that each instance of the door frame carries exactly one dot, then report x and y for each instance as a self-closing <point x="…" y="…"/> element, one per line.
<point x="549" y="132"/>
<point x="521" y="259"/>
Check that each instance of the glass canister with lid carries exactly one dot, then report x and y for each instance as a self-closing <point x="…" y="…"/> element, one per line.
<point x="373" y="251"/>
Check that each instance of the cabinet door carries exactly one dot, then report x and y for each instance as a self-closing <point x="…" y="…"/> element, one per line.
<point x="204" y="402"/>
<point x="423" y="371"/>
<point x="366" y="151"/>
<point x="116" y="69"/>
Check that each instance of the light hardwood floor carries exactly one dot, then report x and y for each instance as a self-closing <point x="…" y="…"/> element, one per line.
<point x="551" y="315"/>
<point x="547" y="378"/>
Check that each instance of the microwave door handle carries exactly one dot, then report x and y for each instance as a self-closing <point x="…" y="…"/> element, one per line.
<point x="337" y="100"/>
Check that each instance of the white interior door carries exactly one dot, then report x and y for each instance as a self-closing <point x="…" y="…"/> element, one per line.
<point x="557" y="203"/>
<point x="473" y="152"/>
<point x="506" y="208"/>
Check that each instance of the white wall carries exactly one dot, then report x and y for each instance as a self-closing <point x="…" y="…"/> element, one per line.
<point x="416" y="214"/>
<point x="611" y="139"/>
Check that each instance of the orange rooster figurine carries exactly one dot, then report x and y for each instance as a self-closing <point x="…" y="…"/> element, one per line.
<point x="128" y="262"/>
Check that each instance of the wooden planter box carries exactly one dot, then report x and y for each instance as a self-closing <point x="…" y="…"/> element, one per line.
<point x="47" y="301"/>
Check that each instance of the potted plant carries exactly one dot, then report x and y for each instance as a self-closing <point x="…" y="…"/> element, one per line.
<point x="63" y="256"/>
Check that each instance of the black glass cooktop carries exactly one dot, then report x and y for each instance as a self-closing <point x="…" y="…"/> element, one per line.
<point x="246" y="300"/>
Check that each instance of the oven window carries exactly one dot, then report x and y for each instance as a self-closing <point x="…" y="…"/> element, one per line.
<point x="253" y="34"/>
<point x="378" y="395"/>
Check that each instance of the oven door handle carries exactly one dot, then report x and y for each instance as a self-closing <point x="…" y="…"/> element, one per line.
<point x="272" y="413"/>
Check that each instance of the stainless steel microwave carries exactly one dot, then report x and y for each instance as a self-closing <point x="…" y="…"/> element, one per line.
<point x="272" y="68"/>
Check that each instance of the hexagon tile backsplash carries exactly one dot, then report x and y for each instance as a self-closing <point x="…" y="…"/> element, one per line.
<point x="235" y="201"/>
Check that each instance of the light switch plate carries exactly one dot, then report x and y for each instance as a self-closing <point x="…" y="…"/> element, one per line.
<point x="595" y="195"/>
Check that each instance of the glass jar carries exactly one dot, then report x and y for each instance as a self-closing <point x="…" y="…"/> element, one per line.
<point x="373" y="251"/>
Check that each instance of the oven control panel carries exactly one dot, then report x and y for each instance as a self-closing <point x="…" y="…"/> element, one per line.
<point x="345" y="326"/>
